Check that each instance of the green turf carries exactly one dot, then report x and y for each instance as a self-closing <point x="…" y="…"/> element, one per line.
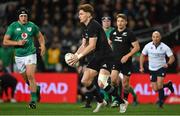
<point x="75" y="109"/>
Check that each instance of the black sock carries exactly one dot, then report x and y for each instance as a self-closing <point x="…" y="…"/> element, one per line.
<point x="95" y="92"/>
<point x="165" y="85"/>
<point x="126" y="94"/>
<point x="89" y="98"/>
<point x="27" y="82"/>
<point x="113" y="90"/>
<point x="161" y="94"/>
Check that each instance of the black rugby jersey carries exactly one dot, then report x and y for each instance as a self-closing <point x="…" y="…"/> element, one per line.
<point x="94" y="29"/>
<point x="121" y="42"/>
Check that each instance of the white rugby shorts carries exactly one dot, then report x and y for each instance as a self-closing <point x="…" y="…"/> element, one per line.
<point x="21" y="62"/>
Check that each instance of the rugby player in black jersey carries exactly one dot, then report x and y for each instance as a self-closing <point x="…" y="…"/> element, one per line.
<point x="98" y="52"/>
<point x="125" y="45"/>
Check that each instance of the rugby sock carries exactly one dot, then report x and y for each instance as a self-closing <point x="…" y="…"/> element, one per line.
<point x="161" y="94"/>
<point x="120" y="89"/>
<point x="33" y="96"/>
<point x="113" y="90"/>
<point x="88" y="97"/>
<point x="131" y="90"/>
<point x="165" y="85"/>
<point x="92" y="88"/>
<point x="126" y="94"/>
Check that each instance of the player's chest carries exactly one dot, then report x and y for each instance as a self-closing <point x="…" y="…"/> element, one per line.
<point x="24" y="31"/>
<point x="120" y="37"/>
<point x="156" y="52"/>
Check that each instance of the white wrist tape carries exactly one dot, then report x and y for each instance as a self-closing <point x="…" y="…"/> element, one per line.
<point x="79" y="56"/>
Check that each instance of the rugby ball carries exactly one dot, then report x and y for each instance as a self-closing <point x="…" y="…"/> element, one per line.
<point x="69" y="56"/>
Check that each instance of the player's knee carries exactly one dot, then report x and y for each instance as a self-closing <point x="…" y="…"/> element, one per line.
<point x="30" y="76"/>
<point x="103" y="80"/>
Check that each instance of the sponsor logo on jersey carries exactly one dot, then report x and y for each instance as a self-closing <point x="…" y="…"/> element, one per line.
<point x="29" y="29"/>
<point x="86" y="36"/>
<point x="18" y="29"/>
<point x="119" y="39"/>
<point x="24" y="35"/>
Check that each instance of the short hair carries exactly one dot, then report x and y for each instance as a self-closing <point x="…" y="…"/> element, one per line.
<point x="122" y="16"/>
<point x="86" y="8"/>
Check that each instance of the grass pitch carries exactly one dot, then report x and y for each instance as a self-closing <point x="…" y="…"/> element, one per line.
<point x="75" y="109"/>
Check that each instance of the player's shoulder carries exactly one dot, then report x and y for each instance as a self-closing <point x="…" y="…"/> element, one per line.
<point x="114" y="31"/>
<point x="94" y="24"/>
<point x="31" y="23"/>
<point x="149" y="44"/>
<point x="164" y="45"/>
<point x="13" y="24"/>
<point x="129" y="31"/>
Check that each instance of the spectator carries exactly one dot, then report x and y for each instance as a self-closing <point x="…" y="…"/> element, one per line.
<point x="7" y="81"/>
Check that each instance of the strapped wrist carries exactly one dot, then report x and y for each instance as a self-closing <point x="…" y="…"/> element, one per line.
<point x="80" y="56"/>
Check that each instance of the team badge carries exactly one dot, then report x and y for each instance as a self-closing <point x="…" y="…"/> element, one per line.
<point x="24" y="35"/>
<point x="29" y="29"/>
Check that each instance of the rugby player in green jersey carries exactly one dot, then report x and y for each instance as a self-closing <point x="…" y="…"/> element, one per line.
<point x="21" y="35"/>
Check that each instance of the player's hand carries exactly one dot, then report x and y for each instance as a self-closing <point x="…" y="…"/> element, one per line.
<point x="73" y="60"/>
<point x="124" y="59"/>
<point x="165" y="66"/>
<point x="21" y="42"/>
<point x="43" y="49"/>
<point x="141" y="70"/>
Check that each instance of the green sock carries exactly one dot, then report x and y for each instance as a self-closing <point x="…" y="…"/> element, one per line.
<point x="131" y="90"/>
<point x="33" y="96"/>
<point x="106" y="96"/>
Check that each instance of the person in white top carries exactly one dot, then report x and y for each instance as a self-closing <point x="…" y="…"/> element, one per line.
<point x="157" y="52"/>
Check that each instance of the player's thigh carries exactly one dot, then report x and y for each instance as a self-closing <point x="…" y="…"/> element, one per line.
<point x="20" y="63"/>
<point x="104" y="72"/>
<point x="88" y="76"/>
<point x="30" y="62"/>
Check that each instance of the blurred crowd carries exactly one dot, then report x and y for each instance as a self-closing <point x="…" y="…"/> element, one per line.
<point x="58" y="21"/>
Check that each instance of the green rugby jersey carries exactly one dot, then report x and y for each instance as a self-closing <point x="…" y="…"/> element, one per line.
<point x="28" y="31"/>
<point x="109" y="31"/>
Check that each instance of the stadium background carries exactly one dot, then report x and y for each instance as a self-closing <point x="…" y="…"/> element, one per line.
<point x="59" y="23"/>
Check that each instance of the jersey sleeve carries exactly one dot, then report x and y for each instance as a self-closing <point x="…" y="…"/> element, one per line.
<point x="132" y="37"/>
<point x="145" y="50"/>
<point x="168" y="52"/>
<point x="111" y="35"/>
<point x="36" y="30"/>
<point x="92" y="31"/>
<point x="9" y="31"/>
